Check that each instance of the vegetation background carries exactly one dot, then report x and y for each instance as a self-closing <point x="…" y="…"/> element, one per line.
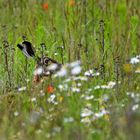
<point x="101" y="102"/>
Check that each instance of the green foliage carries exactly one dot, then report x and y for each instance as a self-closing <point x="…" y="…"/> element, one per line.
<point x="104" y="36"/>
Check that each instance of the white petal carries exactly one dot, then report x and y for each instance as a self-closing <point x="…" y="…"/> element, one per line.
<point x="22" y="89"/>
<point x="76" y="70"/>
<point x="134" y="60"/>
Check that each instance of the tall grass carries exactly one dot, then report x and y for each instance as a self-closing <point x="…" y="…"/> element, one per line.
<point x="104" y="36"/>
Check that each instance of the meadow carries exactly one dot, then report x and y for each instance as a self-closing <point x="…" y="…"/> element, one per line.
<point x="96" y="94"/>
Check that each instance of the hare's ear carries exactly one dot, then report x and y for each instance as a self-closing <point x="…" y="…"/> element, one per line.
<point x="20" y="46"/>
<point x="29" y="48"/>
<point x="26" y="48"/>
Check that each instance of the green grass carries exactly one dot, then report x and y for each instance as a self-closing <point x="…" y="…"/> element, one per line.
<point x="98" y="33"/>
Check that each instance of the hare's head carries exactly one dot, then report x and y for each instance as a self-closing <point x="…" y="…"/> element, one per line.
<point x="43" y="63"/>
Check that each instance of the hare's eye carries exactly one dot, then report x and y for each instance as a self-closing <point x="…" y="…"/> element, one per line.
<point x="46" y="61"/>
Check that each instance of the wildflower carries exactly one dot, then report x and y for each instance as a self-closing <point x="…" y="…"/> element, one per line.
<point x="134" y="96"/>
<point x="22" y="89"/>
<point x="134" y="107"/>
<point x="79" y="84"/>
<point x="60" y="87"/>
<point x="55" y="54"/>
<point x="134" y="60"/>
<point x="42" y="93"/>
<point x="91" y="74"/>
<point x="51" y="99"/>
<point x="89" y="97"/>
<point x="45" y="6"/>
<point x="102" y="87"/>
<point x="110" y="85"/>
<point x="137" y="70"/>
<point x="67" y="80"/>
<point x="100" y="114"/>
<point x="62" y="47"/>
<point x="88" y="90"/>
<point x="88" y="73"/>
<point x="74" y="89"/>
<point x="88" y="105"/>
<point x="27" y="80"/>
<point x="61" y="98"/>
<point x="86" y="112"/>
<point x="16" y="113"/>
<point x="86" y="120"/>
<point x="63" y="87"/>
<point x="33" y="99"/>
<point x="105" y="97"/>
<point x="76" y="70"/>
<point x="127" y="68"/>
<point x="50" y="89"/>
<point x="71" y="2"/>
<point x="68" y="120"/>
<point x="106" y="116"/>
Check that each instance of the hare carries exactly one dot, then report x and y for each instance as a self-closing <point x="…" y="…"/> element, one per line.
<point x="45" y="66"/>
